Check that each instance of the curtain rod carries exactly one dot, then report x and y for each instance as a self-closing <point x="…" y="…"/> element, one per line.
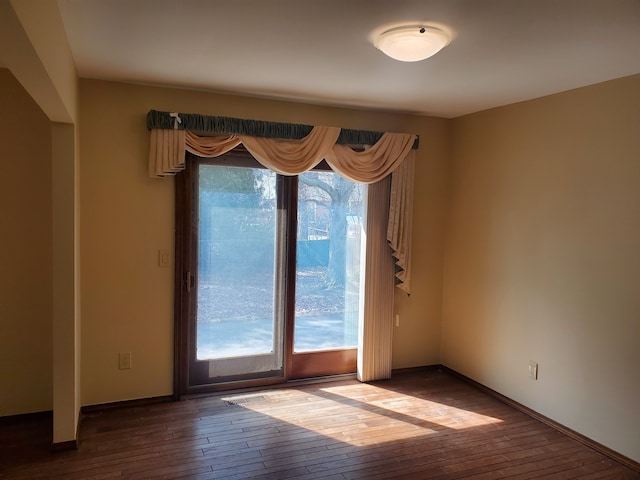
<point x="205" y="124"/>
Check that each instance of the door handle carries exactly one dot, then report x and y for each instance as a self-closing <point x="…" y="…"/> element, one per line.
<point x="190" y="279"/>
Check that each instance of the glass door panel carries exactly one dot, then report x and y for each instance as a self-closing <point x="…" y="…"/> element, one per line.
<point x="328" y="265"/>
<point x="238" y="318"/>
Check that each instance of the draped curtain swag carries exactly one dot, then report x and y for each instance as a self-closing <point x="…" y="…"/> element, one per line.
<point x="393" y="153"/>
<point x="293" y="149"/>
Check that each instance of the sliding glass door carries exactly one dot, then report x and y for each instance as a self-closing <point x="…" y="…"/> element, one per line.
<point x="238" y="315"/>
<point x="271" y="266"/>
<point x="328" y="287"/>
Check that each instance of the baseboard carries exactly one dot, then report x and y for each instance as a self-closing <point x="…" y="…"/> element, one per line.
<point x="140" y="402"/>
<point x="69" y="444"/>
<point x="64" y="446"/>
<point x="424" y="368"/>
<point x="78" y="427"/>
<point x="618" y="457"/>
<point x="37" y="417"/>
<point x="22" y="418"/>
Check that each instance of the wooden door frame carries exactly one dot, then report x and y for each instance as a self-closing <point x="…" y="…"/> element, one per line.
<point x="296" y="365"/>
<point x="307" y="364"/>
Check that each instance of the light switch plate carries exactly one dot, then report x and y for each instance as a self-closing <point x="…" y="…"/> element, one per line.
<point x="163" y="258"/>
<point x="533" y="370"/>
<point x="124" y="360"/>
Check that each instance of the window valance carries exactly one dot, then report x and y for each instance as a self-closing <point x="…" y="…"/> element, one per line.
<point x="207" y="125"/>
<point x="291" y="149"/>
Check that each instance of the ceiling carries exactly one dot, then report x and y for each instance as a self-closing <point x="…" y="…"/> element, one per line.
<point x="320" y="51"/>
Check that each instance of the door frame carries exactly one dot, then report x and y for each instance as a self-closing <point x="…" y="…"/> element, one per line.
<point x="296" y="365"/>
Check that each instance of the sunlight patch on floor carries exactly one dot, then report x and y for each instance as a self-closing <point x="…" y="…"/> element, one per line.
<point x="418" y="408"/>
<point x="368" y="415"/>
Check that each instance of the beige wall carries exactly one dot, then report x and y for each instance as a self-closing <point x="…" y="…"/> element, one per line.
<point x="542" y="257"/>
<point x="25" y="252"/>
<point x="417" y="341"/>
<point x="127" y="300"/>
<point x="34" y="47"/>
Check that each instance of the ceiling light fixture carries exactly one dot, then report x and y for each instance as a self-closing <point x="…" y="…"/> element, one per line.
<point x="412" y="43"/>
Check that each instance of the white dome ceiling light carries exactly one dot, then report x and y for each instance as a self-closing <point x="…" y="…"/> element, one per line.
<point x="412" y="43"/>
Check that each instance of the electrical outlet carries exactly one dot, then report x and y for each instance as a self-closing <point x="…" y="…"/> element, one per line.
<point x="124" y="361"/>
<point x="533" y="370"/>
<point x="397" y="319"/>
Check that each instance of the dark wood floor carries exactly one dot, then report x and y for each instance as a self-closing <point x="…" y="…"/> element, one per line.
<point x="420" y="425"/>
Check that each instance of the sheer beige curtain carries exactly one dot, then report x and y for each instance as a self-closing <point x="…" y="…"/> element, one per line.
<point x="388" y="218"/>
<point x="373" y="163"/>
<point x="391" y="155"/>
<point x="292" y="157"/>
<point x="286" y="157"/>
<point x="399" y="225"/>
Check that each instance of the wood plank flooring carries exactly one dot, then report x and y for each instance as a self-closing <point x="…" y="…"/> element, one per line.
<point x="419" y="425"/>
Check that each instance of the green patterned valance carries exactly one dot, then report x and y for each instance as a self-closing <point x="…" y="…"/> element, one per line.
<point x="205" y="124"/>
